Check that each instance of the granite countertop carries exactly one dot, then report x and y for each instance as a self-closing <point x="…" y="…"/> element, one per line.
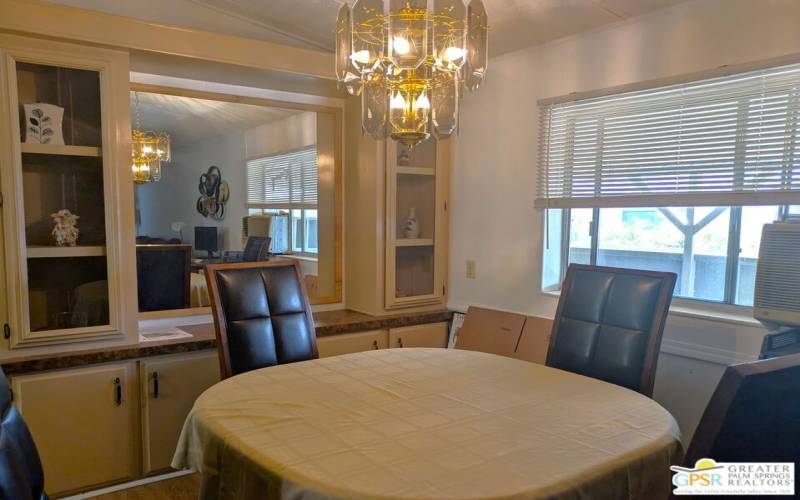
<point x="203" y="337"/>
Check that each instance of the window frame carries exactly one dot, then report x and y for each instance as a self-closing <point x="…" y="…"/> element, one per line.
<point x="731" y="262"/>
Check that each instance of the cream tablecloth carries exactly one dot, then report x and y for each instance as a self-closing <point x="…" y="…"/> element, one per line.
<point x="198" y="291"/>
<point x="426" y="423"/>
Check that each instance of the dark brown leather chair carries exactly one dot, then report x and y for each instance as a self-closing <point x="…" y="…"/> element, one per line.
<point x="609" y="324"/>
<point x="21" y="475"/>
<point x="261" y="315"/>
<point x="753" y="415"/>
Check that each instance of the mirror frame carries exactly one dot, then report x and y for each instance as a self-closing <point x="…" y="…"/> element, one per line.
<point x="338" y="117"/>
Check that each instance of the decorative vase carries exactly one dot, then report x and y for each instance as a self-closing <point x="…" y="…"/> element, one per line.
<point x="43" y="124"/>
<point x="403" y="159"/>
<point x="411" y="225"/>
<point x="65" y="231"/>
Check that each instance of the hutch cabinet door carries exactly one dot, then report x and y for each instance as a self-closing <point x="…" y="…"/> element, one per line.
<point x="416" y="223"/>
<point x="65" y="179"/>
<point x="169" y="387"/>
<point x="430" y="335"/>
<point x="84" y="422"/>
<point x="336" y="345"/>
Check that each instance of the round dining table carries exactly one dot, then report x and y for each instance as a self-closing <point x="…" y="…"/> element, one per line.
<point x="426" y="424"/>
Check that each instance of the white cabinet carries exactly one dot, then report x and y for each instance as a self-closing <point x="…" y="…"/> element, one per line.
<point x="169" y="386"/>
<point x="388" y="268"/>
<point x="426" y="335"/>
<point x="430" y="335"/>
<point x="73" y="154"/>
<point x="111" y="423"/>
<point x="416" y="223"/>
<point x="335" y="345"/>
<point x="84" y="422"/>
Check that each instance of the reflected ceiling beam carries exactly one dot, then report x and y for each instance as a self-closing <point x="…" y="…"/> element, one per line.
<point x="71" y="23"/>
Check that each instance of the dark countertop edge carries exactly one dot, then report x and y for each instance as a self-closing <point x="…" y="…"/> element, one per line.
<point x="381" y="322"/>
<point x="54" y="361"/>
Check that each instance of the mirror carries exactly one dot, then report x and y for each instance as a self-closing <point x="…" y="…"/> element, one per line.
<point x="248" y="180"/>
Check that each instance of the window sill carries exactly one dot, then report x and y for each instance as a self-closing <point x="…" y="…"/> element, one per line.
<point x="722" y="313"/>
<point x="300" y="256"/>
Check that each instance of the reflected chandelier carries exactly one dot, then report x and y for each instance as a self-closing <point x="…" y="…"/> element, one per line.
<point x="410" y="61"/>
<point x="149" y="150"/>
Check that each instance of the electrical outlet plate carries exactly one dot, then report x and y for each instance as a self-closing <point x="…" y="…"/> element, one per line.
<point x="471" y="269"/>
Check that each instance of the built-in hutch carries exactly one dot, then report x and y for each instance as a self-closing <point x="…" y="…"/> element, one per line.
<point x="65" y="124"/>
<point x="393" y="264"/>
<point x="416" y="183"/>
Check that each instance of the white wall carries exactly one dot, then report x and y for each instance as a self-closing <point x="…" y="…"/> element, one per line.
<point x="293" y="132"/>
<point x="493" y="182"/>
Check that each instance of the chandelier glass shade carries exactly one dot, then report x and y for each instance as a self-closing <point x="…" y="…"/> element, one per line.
<point x="410" y="61"/>
<point x="148" y="151"/>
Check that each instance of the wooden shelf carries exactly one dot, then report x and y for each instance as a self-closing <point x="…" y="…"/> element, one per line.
<point x="415" y="171"/>
<point x="52" y="149"/>
<point x="414" y="242"/>
<point x="42" y="252"/>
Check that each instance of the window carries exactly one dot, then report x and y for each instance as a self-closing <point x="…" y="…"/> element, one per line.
<point x="720" y="142"/>
<point x="713" y="250"/>
<point x="285" y="186"/>
<point x="679" y="178"/>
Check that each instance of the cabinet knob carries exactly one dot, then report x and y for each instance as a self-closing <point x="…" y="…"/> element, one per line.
<point x="375" y="344"/>
<point x="155" y="385"/>
<point x="399" y="341"/>
<point x="117" y="391"/>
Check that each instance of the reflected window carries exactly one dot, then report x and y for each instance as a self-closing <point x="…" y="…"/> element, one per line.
<point x="285" y="186"/>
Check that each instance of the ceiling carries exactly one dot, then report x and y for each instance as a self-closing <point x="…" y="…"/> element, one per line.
<point x="189" y="120"/>
<point x="514" y="24"/>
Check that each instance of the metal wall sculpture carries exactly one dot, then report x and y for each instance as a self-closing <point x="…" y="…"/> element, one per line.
<point x="214" y="193"/>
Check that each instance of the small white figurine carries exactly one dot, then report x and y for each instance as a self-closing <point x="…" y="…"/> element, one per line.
<point x="65" y="230"/>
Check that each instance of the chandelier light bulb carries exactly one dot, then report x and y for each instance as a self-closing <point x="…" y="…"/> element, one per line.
<point x="452" y="54"/>
<point x="397" y="101"/>
<point x="361" y="57"/>
<point x="423" y="102"/>
<point x="401" y="45"/>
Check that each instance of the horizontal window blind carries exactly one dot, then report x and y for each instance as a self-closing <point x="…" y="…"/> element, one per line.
<point x="286" y="180"/>
<point x="723" y="141"/>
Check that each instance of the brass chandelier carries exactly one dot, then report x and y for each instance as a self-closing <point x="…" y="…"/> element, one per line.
<point x="410" y="63"/>
<point x="149" y="150"/>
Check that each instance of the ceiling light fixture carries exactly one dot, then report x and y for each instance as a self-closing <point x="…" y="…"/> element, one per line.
<point x="409" y="62"/>
<point x="149" y="150"/>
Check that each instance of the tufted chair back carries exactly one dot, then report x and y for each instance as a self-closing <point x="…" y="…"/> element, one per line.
<point x="609" y="324"/>
<point x="21" y="476"/>
<point x="261" y="313"/>
<point x="753" y="414"/>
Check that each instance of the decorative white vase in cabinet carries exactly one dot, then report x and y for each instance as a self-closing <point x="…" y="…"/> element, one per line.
<point x="411" y="225"/>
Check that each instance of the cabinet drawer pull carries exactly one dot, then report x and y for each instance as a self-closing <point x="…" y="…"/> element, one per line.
<point x="399" y="341"/>
<point x="155" y="385"/>
<point x="117" y="391"/>
<point x="375" y="344"/>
